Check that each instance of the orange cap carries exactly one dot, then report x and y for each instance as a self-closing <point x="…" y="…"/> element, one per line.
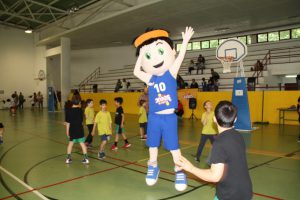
<point x="149" y="35"/>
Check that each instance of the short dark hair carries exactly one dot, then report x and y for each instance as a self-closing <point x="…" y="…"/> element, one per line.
<point x="119" y="100"/>
<point x="142" y="102"/>
<point x="166" y="39"/>
<point x="225" y="113"/>
<point x="88" y="101"/>
<point x="102" y="101"/>
<point x="76" y="92"/>
<point x="76" y="99"/>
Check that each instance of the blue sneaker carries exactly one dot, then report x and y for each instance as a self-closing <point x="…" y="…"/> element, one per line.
<point x="152" y="175"/>
<point x="180" y="181"/>
<point x="1" y="140"/>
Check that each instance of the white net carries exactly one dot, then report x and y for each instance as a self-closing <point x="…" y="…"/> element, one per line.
<point x="226" y="62"/>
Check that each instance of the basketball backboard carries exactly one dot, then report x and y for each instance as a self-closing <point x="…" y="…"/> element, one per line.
<point x="232" y="47"/>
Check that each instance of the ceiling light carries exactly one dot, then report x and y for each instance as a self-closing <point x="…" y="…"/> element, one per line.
<point x="28" y="30"/>
<point x="290" y="76"/>
<point x="73" y="9"/>
<point x="116" y="42"/>
<point x="222" y="29"/>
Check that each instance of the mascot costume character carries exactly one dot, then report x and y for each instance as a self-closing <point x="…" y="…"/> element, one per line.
<point x="158" y="67"/>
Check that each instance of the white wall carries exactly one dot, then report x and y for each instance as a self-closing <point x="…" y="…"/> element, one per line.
<point x="16" y="62"/>
<point x="286" y="69"/>
<point x="53" y="72"/>
<point x="20" y="61"/>
<point x="84" y="62"/>
<point x="40" y="63"/>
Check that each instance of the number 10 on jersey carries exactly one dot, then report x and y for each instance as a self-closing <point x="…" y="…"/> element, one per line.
<point x="161" y="87"/>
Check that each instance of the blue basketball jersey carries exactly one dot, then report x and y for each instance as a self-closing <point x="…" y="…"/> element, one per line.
<point x="162" y="92"/>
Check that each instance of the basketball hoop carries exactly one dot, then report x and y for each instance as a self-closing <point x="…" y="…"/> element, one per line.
<point x="41" y="76"/>
<point x="39" y="79"/>
<point x="231" y="51"/>
<point x="226" y="62"/>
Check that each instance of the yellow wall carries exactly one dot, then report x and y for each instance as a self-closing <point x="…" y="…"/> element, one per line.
<point x="272" y="101"/>
<point x="280" y="99"/>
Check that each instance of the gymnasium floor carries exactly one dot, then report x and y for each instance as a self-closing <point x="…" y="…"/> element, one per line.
<point x="34" y="153"/>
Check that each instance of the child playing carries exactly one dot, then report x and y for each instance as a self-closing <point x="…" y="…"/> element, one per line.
<point x="143" y="120"/>
<point x="89" y="121"/>
<point x="208" y="131"/>
<point x="119" y="121"/>
<point x="1" y="132"/>
<point x="103" y="121"/>
<point x="229" y="168"/>
<point x="74" y="129"/>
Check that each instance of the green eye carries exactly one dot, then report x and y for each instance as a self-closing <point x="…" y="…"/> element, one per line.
<point x="160" y="51"/>
<point x="148" y="55"/>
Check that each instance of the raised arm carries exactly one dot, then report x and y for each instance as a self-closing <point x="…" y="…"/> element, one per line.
<point x="186" y="36"/>
<point x="139" y="73"/>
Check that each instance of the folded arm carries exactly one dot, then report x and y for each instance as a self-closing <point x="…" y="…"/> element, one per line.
<point x="139" y="73"/>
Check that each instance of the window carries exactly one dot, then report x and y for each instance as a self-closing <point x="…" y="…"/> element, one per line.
<point x="178" y="46"/>
<point x="246" y="39"/>
<point x="196" y="45"/>
<point x="204" y="44"/>
<point x="249" y="40"/>
<point x="296" y="33"/>
<point x="284" y="35"/>
<point x="213" y="43"/>
<point x="273" y="36"/>
<point x="189" y="47"/>
<point x="262" y="37"/>
<point x="243" y="39"/>
<point x="221" y="40"/>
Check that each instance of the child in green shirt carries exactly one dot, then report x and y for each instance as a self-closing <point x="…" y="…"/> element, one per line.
<point x="143" y="120"/>
<point x="209" y="131"/>
<point x="103" y="122"/>
<point x="89" y="121"/>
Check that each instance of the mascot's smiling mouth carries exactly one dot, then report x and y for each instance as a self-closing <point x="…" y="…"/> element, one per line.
<point x="159" y="65"/>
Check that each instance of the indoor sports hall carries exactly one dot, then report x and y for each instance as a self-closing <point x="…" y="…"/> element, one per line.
<point x="58" y="56"/>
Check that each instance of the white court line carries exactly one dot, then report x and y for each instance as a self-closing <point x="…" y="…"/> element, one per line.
<point x="24" y="184"/>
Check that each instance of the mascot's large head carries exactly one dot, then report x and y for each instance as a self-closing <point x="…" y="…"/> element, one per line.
<point x="156" y="49"/>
